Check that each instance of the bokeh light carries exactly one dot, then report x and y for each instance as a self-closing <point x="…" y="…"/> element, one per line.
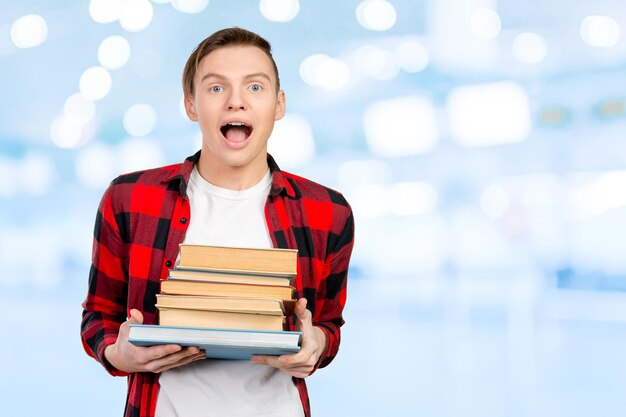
<point x="320" y="70"/>
<point x="29" y="31"/>
<point x="136" y="15"/>
<point x="485" y="23"/>
<point x="66" y="132"/>
<point x="113" y="52"/>
<point x="378" y="15"/>
<point x="376" y="63"/>
<point x="530" y="48"/>
<point x="400" y="126"/>
<point x="292" y="141"/>
<point x="140" y="119"/>
<point x="600" y="31"/>
<point x="190" y="6"/>
<point x="489" y="114"/>
<point x="95" y="83"/>
<point x="279" y="10"/>
<point x="599" y="195"/>
<point x="79" y="109"/>
<point x="105" y="11"/>
<point x="412" y="56"/>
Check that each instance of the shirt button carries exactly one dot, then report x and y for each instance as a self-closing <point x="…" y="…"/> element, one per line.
<point x="168" y="263"/>
<point x="183" y="220"/>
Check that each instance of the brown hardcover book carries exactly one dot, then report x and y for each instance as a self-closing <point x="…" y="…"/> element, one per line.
<point x="270" y="306"/>
<point x="225" y="289"/>
<point x="219" y="319"/>
<point x="264" y="261"/>
<point x="238" y="277"/>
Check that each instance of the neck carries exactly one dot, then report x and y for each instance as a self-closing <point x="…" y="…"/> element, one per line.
<point x="231" y="177"/>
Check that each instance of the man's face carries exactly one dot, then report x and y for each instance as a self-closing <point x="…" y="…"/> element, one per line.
<point x="235" y="103"/>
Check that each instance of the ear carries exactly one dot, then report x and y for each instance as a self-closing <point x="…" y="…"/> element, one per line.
<point x="190" y="109"/>
<point x="281" y="106"/>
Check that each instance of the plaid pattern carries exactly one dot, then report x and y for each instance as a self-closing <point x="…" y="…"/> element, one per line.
<point x="142" y="219"/>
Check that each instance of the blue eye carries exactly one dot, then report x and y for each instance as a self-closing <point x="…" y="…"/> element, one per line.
<point x="216" y="89"/>
<point x="255" y="87"/>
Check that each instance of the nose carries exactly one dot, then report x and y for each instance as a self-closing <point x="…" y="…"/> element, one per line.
<point x="236" y="101"/>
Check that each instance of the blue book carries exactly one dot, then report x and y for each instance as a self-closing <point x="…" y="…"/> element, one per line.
<point x="218" y="343"/>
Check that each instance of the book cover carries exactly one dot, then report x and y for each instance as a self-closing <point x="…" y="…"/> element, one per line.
<point x="267" y="261"/>
<point x="223" y="319"/>
<point x="225" y="289"/>
<point x="218" y="343"/>
<point x="270" y="306"/>
<point x="239" y="277"/>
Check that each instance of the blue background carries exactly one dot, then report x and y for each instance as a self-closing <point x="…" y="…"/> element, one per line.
<point x="497" y="291"/>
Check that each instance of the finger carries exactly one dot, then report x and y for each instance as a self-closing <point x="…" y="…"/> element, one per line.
<point x="157" y="352"/>
<point x="302" y="355"/>
<point x="267" y="360"/>
<point x="304" y="321"/>
<point x="260" y="359"/>
<point x="301" y="372"/>
<point x="135" y="316"/>
<point x="300" y="309"/>
<point x="182" y="362"/>
<point x="306" y="351"/>
<point x="285" y="361"/>
<point x="170" y="359"/>
<point x="291" y="363"/>
<point x="291" y="360"/>
<point x="168" y="362"/>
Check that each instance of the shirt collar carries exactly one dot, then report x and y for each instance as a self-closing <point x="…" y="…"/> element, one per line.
<point x="279" y="183"/>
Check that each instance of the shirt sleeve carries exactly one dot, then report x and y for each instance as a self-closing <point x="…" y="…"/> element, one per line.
<point x="104" y="309"/>
<point x="328" y="315"/>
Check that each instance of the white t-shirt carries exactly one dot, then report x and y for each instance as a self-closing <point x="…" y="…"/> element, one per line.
<point x="224" y="388"/>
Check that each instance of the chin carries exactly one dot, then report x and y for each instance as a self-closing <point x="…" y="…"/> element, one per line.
<point x="239" y="161"/>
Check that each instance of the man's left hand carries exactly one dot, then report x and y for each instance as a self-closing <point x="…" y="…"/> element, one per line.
<point x="300" y="364"/>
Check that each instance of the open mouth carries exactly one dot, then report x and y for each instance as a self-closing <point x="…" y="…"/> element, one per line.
<point x="236" y="131"/>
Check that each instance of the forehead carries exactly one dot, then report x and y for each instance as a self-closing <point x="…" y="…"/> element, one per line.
<point x="236" y="62"/>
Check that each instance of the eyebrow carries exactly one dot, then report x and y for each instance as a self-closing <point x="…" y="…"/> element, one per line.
<point x="222" y="77"/>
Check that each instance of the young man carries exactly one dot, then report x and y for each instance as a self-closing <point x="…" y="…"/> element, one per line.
<point x="230" y="193"/>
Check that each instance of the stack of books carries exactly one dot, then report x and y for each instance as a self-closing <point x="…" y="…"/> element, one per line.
<point x="231" y="302"/>
<point x="235" y="288"/>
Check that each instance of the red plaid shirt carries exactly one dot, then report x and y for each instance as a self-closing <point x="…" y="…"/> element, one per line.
<point x="142" y="219"/>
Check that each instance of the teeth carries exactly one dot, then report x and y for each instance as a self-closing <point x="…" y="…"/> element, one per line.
<point x="236" y="124"/>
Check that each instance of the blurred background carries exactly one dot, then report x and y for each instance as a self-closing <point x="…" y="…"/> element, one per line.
<point x="480" y="143"/>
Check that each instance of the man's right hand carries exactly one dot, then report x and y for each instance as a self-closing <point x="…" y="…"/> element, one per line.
<point x="127" y="357"/>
